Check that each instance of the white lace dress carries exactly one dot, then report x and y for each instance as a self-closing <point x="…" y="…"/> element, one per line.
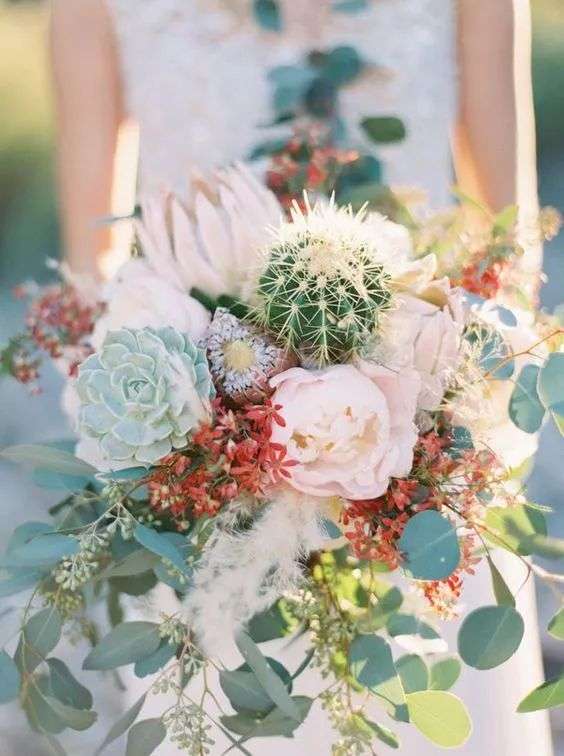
<point x="195" y="79"/>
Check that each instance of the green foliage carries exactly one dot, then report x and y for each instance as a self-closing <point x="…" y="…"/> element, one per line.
<point x="372" y="666"/>
<point x="501" y="590"/>
<point x="42" y="551"/>
<point x="145" y="737"/>
<point x="125" y="644"/>
<point x="75" y="719"/>
<point x="525" y="408"/>
<point x="275" y="723"/>
<point x="10" y="678"/>
<point x="547" y="696"/>
<point x="550" y="388"/>
<point x="512" y="527"/>
<point x="40" y="635"/>
<point x="123" y="724"/>
<point x="441" y="717"/>
<point x="48" y="458"/>
<point x="556" y="625"/>
<point x="489" y="636"/>
<point x="156" y="661"/>
<point x="266" y="676"/>
<point x="66" y="688"/>
<point x="444" y="673"/>
<point x="275" y="622"/>
<point x="410" y="625"/>
<point x="244" y="691"/>
<point x="413" y="673"/>
<point x="384" y="129"/>
<point x="429" y="545"/>
<point x="383" y="734"/>
<point x="160" y="545"/>
<point x="390" y="599"/>
<point x="17" y="580"/>
<point x="267" y="13"/>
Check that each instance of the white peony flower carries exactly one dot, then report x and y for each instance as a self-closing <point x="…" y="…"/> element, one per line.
<point x="424" y="332"/>
<point x="139" y="298"/>
<point x="349" y="432"/>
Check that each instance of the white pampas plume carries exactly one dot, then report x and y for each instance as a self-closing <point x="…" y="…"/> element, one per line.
<point x="243" y="573"/>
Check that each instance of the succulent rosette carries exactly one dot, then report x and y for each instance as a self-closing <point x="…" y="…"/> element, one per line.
<point x="141" y="395"/>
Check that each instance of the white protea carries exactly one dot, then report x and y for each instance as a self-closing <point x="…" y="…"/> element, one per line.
<point x="214" y="247"/>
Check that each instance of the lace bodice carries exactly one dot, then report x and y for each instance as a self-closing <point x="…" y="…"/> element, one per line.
<point x="195" y="74"/>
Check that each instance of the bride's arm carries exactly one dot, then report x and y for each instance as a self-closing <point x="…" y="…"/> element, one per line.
<point x="89" y="111"/>
<point x="486" y="138"/>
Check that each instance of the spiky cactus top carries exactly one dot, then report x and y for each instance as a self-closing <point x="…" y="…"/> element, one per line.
<point x="325" y="282"/>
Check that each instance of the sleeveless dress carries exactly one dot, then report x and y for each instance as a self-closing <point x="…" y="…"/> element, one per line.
<point x="195" y="78"/>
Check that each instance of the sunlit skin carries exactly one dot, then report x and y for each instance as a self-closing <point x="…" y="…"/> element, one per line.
<point x="485" y="139"/>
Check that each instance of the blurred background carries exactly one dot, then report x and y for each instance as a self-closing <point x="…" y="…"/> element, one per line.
<point x="29" y="235"/>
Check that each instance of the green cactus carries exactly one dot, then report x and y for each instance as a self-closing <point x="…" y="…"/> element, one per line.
<point x="323" y="286"/>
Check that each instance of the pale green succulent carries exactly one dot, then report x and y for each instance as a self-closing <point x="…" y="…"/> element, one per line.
<point x="142" y="394"/>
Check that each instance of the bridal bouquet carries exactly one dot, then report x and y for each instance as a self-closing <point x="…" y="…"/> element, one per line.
<point x="304" y="421"/>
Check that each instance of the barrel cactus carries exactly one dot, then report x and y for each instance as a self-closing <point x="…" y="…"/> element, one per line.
<point x="142" y="394"/>
<point x="325" y="283"/>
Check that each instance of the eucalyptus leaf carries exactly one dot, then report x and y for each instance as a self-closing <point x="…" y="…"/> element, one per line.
<point x="556" y="625"/>
<point x="273" y="623"/>
<point x="66" y="688"/>
<point x="502" y="593"/>
<point x="156" y="661"/>
<point x="266" y="676"/>
<point x="372" y="666"/>
<point x="430" y="546"/>
<point x="40" y="635"/>
<point x="76" y="719"/>
<point x="444" y="673"/>
<point x="48" y="458"/>
<point x="415" y="635"/>
<point x="383" y="129"/>
<point x="551" y="380"/>
<point x="42" y="551"/>
<point x="511" y="527"/>
<point x="525" y="408"/>
<point x="383" y="734"/>
<point x="13" y="581"/>
<point x="413" y="673"/>
<point x="441" y="717"/>
<point x="244" y="691"/>
<point x="267" y="13"/>
<point x="161" y="546"/>
<point x="489" y="636"/>
<point x="123" y="724"/>
<point x="137" y="562"/>
<point x="38" y="709"/>
<point x="125" y="644"/>
<point x="10" y="678"/>
<point x="145" y="737"/>
<point x="275" y="723"/>
<point x="547" y="696"/>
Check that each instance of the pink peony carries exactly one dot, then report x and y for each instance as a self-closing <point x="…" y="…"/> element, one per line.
<point x="349" y="432"/>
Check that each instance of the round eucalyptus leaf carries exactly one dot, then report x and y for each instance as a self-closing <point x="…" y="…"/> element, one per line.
<point x="444" y="673"/>
<point x="384" y="129"/>
<point x="489" y="636"/>
<point x="372" y="665"/>
<point x="441" y="717"/>
<point x="413" y="673"/>
<point x="525" y="408"/>
<point x="551" y="380"/>
<point x="430" y="546"/>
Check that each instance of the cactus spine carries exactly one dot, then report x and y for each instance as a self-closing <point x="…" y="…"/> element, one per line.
<point x="323" y="285"/>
